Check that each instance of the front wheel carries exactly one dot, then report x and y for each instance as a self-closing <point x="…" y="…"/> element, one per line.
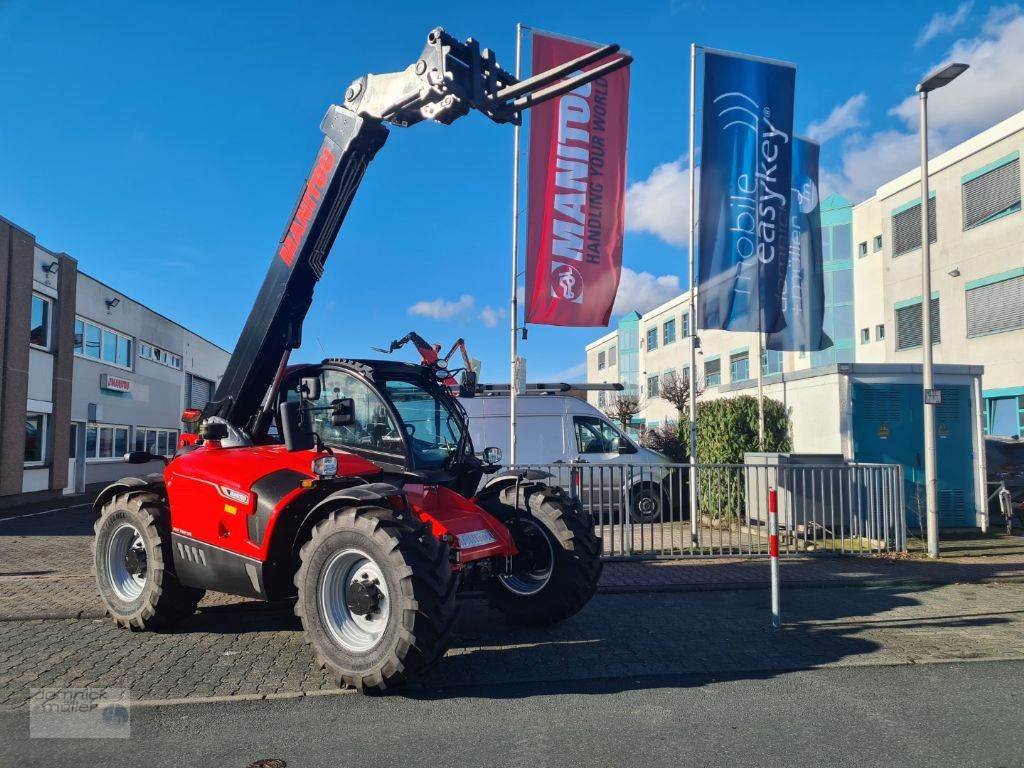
<point x="559" y="562"/>
<point x="376" y="596"/>
<point x="131" y="555"/>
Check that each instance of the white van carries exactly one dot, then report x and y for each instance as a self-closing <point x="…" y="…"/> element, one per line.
<point x="559" y="429"/>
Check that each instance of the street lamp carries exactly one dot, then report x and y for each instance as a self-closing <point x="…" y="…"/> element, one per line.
<point x="932" y="396"/>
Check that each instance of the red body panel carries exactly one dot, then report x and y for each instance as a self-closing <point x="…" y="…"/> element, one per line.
<point x="447" y="512"/>
<point x="210" y="490"/>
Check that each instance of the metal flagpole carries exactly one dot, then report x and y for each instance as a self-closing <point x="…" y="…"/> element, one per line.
<point x="760" y="386"/>
<point x="693" y="304"/>
<point x="514" y="308"/>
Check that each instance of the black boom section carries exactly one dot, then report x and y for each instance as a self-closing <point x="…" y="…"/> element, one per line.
<point x="275" y="322"/>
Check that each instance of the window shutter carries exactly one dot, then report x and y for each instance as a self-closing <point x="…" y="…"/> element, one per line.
<point x="906" y="228"/>
<point x="991" y="193"/>
<point x="996" y="307"/>
<point x="199" y="391"/>
<point x="908" y="325"/>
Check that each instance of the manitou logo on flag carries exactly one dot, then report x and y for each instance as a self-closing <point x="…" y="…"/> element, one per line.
<point x="307" y="207"/>
<point x="576" y="194"/>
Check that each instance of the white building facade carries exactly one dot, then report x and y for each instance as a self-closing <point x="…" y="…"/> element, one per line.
<point x="872" y="265"/>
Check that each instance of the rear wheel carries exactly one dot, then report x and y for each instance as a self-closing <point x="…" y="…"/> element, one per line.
<point x="131" y="556"/>
<point x="558" y="566"/>
<point x="376" y="596"/>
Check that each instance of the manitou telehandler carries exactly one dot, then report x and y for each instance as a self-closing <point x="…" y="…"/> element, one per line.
<point x="351" y="485"/>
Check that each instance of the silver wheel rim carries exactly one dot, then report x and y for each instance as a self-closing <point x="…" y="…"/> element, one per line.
<point x="526" y="584"/>
<point x="354" y="632"/>
<point x="646" y="506"/>
<point x="127" y="585"/>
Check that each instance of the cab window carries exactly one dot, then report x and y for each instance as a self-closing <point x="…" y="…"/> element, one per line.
<point x="433" y="430"/>
<point x="372" y="427"/>
<point x="595" y="436"/>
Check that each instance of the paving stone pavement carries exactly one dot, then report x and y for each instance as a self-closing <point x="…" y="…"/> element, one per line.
<point x="222" y="652"/>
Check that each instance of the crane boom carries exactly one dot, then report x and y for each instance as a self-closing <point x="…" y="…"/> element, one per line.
<point x="448" y="79"/>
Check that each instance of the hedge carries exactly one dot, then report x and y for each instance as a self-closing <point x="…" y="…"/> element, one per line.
<point x="726" y="429"/>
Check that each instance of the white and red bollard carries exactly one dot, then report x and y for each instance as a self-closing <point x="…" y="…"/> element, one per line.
<point x="773" y="552"/>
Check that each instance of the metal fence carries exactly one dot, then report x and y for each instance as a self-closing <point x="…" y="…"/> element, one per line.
<point x="643" y="510"/>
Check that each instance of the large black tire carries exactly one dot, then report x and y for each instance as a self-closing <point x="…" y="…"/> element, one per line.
<point x="530" y="509"/>
<point x="155" y="599"/>
<point x="418" y="589"/>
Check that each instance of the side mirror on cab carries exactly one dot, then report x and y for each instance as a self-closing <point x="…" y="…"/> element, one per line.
<point x="297" y="435"/>
<point x="309" y="388"/>
<point x="492" y="455"/>
<point x="622" y="445"/>
<point x="343" y="412"/>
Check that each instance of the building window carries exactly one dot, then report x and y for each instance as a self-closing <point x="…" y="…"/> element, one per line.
<point x="992" y="193"/>
<point x="995" y="305"/>
<point x="862" y="249"/>
<point x="739" y="366"/>
<point x="160" y="442"/>
<point x="712" y="372"/>
<point x="39" y="335"/>
<point x="906" y="228"/>
<point x="668" y="332"/>
<point x="771" y="362"/>
<point x="601" y="399"/>
<point x="611" y="356"/>
<point x="35" y="438"/>
<point x="98" y="343"/>
<point x="653" y="389"/>
<point x="105" y="441"/>
<point x="865" y="335"/>
<point x="686" y="324"/>
<point x="600" y="361"/>
<point x="198" y="391"/>
<point x="908" y="325"/>
<point x="149" y="351"/>
<point x="877" y="243"/>
<point x="652" y="338"/>
<point x="879" y="332"/>
<point x="1004" y="416"/>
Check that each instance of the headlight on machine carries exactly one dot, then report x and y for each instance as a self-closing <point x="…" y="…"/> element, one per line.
<point x="475" y="539"/>
<point x="325" y="466"/>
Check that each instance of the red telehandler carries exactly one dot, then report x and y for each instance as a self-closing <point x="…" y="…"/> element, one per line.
<point x="351" y="486"/>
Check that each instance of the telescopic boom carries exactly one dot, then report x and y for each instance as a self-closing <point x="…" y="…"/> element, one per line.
<point x="447" y="80"/>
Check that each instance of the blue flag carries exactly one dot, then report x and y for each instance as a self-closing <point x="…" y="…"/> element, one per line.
<point x="745" y="177"/>
<point x="803" y="301"/>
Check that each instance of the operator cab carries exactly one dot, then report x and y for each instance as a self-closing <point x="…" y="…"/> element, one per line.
<point x="402" y="418"/>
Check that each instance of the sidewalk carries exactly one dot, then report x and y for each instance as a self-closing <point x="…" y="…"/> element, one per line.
<point x="45" y="569"/>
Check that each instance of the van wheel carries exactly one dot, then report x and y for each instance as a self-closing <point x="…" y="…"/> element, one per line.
<point x="648" y="504"/>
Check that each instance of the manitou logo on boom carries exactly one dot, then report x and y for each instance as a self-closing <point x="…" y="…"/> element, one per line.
<point x="306" y="209"/>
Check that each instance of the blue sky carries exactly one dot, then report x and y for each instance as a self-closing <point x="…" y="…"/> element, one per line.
<point x="163" y="146"/>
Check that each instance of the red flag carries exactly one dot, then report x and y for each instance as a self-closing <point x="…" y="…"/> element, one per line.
<point x="576" y="194"/>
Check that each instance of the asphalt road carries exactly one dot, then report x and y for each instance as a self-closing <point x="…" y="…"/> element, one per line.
<point x="960" y="714"/>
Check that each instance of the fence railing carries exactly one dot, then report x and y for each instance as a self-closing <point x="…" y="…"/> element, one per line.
<point x="643" y="510"/>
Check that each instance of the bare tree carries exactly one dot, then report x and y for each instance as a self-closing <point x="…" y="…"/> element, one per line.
<point x="622" y="408"/>
<point x="676" y="390"/>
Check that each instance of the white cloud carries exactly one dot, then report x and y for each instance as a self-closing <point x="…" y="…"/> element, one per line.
<point x="660" y="203"/>
<point x="490" y="316"/>
<point x="439" y="309"/>
<point x="944" y="23"/>
<point x="571" y="374"/>
<point x="643" y="291"/>
<point x="988" y="92"/>
<point x="841" y="119"/>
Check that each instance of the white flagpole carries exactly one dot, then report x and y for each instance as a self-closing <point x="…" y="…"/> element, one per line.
<point x="514" y="304"/>
<point x="760" y="387"/>
<point x="693" y="304"/>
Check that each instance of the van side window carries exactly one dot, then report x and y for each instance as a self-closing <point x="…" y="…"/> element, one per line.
<point x="594" y="435"/>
